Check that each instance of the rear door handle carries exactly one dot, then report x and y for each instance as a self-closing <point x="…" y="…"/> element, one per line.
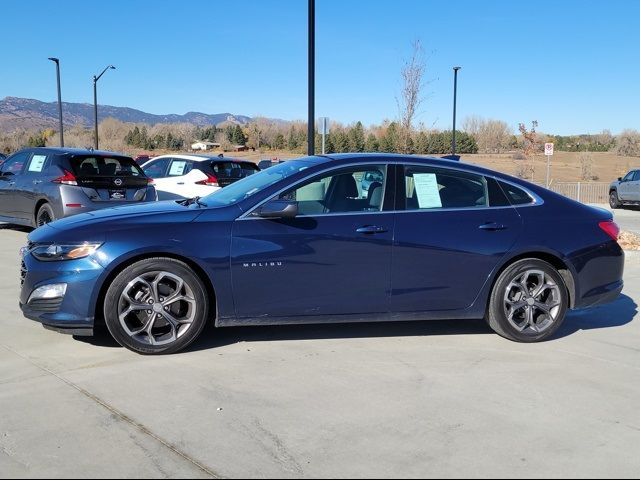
<point x="371" y="229"/>
<point x="492" y="226"/>
<point x="37" y="182"/>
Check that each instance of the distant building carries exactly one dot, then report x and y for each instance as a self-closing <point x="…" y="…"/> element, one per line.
<point x="204" y="145"/>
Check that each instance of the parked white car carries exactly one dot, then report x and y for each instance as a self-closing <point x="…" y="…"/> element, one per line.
<point x="187" y="176"/>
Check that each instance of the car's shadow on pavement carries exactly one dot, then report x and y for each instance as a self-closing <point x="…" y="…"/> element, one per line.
<point x="616" y="314"/>
<point x="17" y="228"/>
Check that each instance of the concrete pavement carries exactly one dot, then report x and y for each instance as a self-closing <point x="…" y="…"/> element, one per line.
<point x="426" y="399"/>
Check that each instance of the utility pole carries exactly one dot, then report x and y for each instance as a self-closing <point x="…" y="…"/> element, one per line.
<point x="311" y="121"/>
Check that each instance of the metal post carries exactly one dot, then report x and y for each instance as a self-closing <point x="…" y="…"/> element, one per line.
<point x="324" y="133"/>
<point x="57" y="62"/>
<point x="455" y="98"/>
<point x="548" y="158"/>
<point x="95" y="111"/>
<point x="311" y="134"/>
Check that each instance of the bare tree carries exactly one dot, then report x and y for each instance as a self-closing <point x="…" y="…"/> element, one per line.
<point x="412" y="74"/>
<point x="492" y="136"/>
<point x="628" y="143"/>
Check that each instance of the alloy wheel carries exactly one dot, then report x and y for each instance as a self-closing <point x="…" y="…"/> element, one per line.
<point x="532" y="302"/>
<point x="157" y="308"/>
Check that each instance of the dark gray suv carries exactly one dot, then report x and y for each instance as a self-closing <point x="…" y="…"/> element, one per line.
<point x="39" y="185"/>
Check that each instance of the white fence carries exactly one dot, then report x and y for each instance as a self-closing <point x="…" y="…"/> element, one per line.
<point x="585" y="192"/>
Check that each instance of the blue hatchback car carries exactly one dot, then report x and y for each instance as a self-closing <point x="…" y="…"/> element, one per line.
<point x="303" y="242"/>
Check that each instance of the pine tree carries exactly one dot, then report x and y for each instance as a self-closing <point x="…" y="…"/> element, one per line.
<point x="356" y="138"/>
<point x="372" y="144"/>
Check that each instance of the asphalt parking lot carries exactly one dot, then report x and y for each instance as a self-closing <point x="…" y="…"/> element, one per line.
<point x="425" y="399"/>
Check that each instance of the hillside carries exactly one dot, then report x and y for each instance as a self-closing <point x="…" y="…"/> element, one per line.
<point x="33" y="114"/>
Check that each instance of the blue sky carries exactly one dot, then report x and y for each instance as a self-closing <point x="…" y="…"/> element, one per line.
<point x="574" y="65"/>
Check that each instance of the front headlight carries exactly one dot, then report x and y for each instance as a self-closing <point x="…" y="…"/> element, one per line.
<point x="57" y="252"/>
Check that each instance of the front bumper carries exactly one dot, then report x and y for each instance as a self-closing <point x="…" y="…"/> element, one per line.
<point x="74" y="312"/>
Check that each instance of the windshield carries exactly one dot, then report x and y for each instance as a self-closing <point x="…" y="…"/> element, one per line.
<point x="248" y="186"/>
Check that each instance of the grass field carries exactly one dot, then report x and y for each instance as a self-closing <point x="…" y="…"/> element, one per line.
<point x="565" y="166"/>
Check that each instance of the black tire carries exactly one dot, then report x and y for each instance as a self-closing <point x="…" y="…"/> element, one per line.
<point x="115" y="303"/>
<point x="509" y="282"/>
<point x="44" y="215"/>
<point x="614" y="201"/>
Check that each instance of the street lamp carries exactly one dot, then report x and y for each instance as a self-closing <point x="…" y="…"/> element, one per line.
<point x="455" y="95"/>
<point x="57" y="62"/>
<point x="95" y="101"/>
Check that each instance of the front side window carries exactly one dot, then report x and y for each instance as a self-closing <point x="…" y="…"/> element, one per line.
<point x="430" y="188"/>
<point x="355" y="189"/>
<point x="636" y="176"/>
<point x="628" y="177"/>
<point x="157" y="168"/>
<point x="14" y="165"/>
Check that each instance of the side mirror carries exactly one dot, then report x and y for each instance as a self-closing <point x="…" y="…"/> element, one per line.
<point x="619" y="179"/>
<point x="278" y="209"/>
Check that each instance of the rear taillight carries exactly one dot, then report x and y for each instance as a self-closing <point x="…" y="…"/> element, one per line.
<point x="67" y="179"/>
<point x="610" y="228"/>
<point x="210" y="181"/>
<point x="150" y="181"/>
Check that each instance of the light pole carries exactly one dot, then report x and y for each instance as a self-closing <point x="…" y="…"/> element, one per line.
<point x="57" y="62"/>
<point x="95" y="101"/>
<point x="455" y="97"/>
<point x="311" y="121"/>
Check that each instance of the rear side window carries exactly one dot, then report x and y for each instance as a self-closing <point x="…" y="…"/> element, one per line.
<point x="429" y="188"/>
<point x="180" y="167"/>
<point x="105" y="167"/>
<point x="516" y="196"/>
<point x="37" y="163"/>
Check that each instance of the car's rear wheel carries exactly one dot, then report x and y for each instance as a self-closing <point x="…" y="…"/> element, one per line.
<point x="45" y="215"/>
<point x="529" y="301"/>
<point x="157" y="305"/>
<point x="614" y="201"/>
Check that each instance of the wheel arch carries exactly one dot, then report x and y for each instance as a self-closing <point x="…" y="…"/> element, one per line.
<point x="39" y="204"/>
<point x="554" y="260"/>
<point x="198" y="270"/>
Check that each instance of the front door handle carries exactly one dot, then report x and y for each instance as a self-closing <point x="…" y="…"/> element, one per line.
<point x="492" y="226"/>
<point x="371" y="229"/>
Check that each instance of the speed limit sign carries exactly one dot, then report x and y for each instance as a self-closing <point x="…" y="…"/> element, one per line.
<point x="548" y="149"/>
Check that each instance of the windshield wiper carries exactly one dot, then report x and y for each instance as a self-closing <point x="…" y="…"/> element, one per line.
<point x="190" y="201"/>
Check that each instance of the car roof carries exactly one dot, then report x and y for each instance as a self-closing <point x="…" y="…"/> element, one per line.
<point x="75" y="151"/>
<point x="202" y="158"/>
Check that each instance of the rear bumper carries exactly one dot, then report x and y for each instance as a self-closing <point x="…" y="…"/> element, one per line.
<point x="74" y="200"/>
<point x="599" y="273"/>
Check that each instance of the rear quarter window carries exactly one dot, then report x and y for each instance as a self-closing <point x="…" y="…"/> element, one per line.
<point x="516" y="195"/>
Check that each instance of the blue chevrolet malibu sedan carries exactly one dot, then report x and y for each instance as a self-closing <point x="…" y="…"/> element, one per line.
<point x="304" y="242"/>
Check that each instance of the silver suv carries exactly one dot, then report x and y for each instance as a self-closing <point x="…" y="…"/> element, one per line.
<point x="39" y="185"/>
<point x="625" y="190"/>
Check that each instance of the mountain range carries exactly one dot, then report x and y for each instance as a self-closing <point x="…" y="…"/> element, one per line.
<point x="30" y="114"/>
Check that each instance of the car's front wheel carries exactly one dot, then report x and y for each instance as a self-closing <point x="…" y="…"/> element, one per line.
<point x="156" y="305"/>
<point x="529" y="301"/>
<point x="614" y="201"/>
